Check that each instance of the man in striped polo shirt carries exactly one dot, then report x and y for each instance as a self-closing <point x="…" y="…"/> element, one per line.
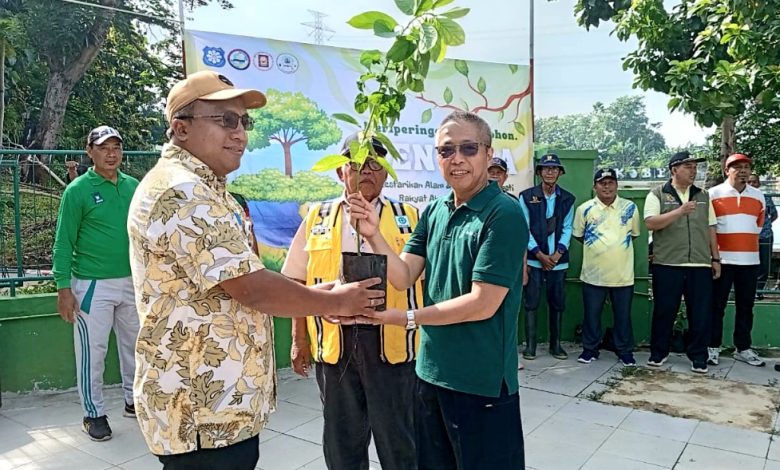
<point x="740" y="210"/>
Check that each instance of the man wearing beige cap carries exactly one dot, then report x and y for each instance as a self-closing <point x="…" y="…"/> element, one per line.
<point x="205" y="380"/>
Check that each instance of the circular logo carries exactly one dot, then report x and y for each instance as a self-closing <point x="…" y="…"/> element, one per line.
<point x="239" y="59"/>
<point x="264" y="61"/>
<point x="287" y="63"/>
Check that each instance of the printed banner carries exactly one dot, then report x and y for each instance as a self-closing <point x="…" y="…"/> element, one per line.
<point x="305" y="84"/>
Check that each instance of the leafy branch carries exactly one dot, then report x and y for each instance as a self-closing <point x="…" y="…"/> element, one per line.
<point x="389" y="75"/>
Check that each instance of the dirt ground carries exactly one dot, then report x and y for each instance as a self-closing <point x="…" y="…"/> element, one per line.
<point x="686" y="396"/>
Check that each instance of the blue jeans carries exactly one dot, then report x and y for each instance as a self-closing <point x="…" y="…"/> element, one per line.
<point x="593" y="298"/>
<point x="461" y="431"/>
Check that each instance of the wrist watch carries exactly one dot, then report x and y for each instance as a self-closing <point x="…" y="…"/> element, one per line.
<point x="716" y="260"/>
<point x="410" y="321"/>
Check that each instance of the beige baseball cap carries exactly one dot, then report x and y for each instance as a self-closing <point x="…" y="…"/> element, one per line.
<point x="210" y="86"/>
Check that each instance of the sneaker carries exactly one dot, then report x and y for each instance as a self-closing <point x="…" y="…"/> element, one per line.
<point x="656" y="361"/>
<point x="97" y="428"/>
<point x="587" y="357"/>
<point x="699" y="367"/>
<point x="129" y="411"/>
<point x="627" y="359"/>
<point x="713" y="356"/>
<point x="749" y="356"/>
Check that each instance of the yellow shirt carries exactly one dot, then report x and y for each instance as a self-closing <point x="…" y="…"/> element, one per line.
<point x="607" y="233"/>
<point x="205" y="366"/>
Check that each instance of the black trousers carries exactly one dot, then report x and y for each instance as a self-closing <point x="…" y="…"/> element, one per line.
<point x="743" y="279"/>
<point x="361" y="396"/>
<point x="670" y="284"/>
<point x="765" y="256"/>
<point x="552" y="281"/>
<point x="240" y="456"/>
<point x="593" y="298"/>
<point x="461" y="431"/>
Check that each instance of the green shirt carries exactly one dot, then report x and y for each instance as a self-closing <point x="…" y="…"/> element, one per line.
<point x="91" y="240"/>
<point x="482" y="240"/>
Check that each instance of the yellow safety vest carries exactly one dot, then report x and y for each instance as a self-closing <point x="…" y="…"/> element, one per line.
<point x="323" y="245"/>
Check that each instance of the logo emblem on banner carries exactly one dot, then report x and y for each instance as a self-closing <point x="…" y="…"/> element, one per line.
<point x="214" y="56"/>
<point x="287" y="63"/>
<point x="239" y="59"/>
<point x="264" y="61"/>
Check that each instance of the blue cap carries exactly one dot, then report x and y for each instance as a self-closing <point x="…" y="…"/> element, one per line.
<point x="499" y="162"/>
<point x="550" y="159"/>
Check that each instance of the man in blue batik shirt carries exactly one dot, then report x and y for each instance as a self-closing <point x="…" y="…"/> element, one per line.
<point x="549" y="212"/>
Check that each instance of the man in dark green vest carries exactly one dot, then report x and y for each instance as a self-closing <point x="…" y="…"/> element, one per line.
<point x="685" y="260"/>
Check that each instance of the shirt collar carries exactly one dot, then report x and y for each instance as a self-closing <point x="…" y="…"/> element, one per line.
<point x="191" y="163"/>
<point x="479" y="200"/>
<point x="604" y="206"/>
<point x="96" y="179"/>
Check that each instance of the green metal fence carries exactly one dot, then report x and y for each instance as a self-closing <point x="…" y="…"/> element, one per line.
<point x="31" y="185"/>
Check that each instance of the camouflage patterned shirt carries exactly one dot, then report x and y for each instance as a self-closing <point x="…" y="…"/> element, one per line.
<point x="205" y="367"/>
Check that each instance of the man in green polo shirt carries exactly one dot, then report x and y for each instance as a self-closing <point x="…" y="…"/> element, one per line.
<point x="92" y="270"/>
<point x="470" y="245"/>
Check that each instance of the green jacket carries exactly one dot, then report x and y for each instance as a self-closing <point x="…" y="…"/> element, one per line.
<point x="687" y="239"/>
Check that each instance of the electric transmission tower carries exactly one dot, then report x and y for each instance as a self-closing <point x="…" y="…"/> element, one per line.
<point x="319" y="29"/>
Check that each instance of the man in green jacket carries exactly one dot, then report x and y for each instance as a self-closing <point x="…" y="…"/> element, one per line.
<point x="92" y="270"/>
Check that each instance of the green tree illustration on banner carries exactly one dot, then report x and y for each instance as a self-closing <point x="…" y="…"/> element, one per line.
<point x="290" y="118"/>
<point x="478" y="87"/>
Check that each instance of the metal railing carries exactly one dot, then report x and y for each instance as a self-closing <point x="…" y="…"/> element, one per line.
<point x="31" y="185"/>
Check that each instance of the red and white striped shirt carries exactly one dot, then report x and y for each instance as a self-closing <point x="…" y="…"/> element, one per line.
<point x="740" y="218"/>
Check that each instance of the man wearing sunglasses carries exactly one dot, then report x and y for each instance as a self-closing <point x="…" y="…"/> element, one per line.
<point x="205" y="379"/>
<point x="365" y="373"/>
<point x="471" y="245"/>
<point x="549" y="211"/>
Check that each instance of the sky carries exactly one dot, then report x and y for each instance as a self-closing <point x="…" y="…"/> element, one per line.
<point x="575" y="68"/>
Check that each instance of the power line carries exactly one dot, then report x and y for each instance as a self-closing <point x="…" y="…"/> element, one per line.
<point x="120" y="10"/>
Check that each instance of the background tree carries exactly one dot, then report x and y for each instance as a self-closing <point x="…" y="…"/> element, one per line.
<point x="620" y="131"/>
<point x="289" y="118"/>
<point x="714" y="58"/>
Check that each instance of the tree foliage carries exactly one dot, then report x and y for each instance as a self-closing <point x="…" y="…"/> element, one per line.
<point x="620" y="131"/>
<point x="289" y="118"/>
<point x="273" y="185"/>
<point x="714" y="58"/>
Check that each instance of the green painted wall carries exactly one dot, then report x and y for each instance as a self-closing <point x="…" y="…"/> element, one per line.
<point x="36" y="346"/>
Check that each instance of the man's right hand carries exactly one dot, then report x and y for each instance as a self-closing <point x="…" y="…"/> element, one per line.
<point x="300" y="354"/>
<point x="67" y="305"/>
<point x="356" y="298"/>
<point x="363" y="214"/>
<point x="547" y="262"/>
<point x="688" y="208"/>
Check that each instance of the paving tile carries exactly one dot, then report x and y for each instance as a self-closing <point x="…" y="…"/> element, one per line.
<point x="27" y="449"/>
<point x="127" y="443"/>
<point x="655" y="424"/>
<point x="703" y="458"/>
<point x="266" y="435"/>
<point x="311" y="431"/>
<point x="732" y="439"/>
<point x="594" y="412"/>
<point x="318" y="464"/>
<point x="68" y="460"/>
<point x="146" y="462"/>
<point x="289" y="416"/>
<point x="544" y="454"/>
<point x="606" y="461"/>
<point x="62" y="414"/>
<point x="644" y="448"/>
<point x="772" y="465"/>
<point x="287" y="453"/>
<point x="774" y="448"/>
<point x="588" y="436"/>
<point x="560" y="385"/>
<point x="295" y="386"/>
<point x="742" y="372"/>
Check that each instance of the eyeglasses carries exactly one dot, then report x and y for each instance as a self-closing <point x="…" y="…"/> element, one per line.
<point x="372" y="164"/>
<point x="468" y="149"/>
<point x="229" y="119"/>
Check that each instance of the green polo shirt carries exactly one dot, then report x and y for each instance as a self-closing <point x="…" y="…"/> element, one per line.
<point x="91" y="240"/>
<point x="482" y="240"/>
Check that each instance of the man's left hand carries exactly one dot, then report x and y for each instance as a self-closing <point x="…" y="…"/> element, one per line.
<point x="388" y="317"/>
<point x="715" y="270"/>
